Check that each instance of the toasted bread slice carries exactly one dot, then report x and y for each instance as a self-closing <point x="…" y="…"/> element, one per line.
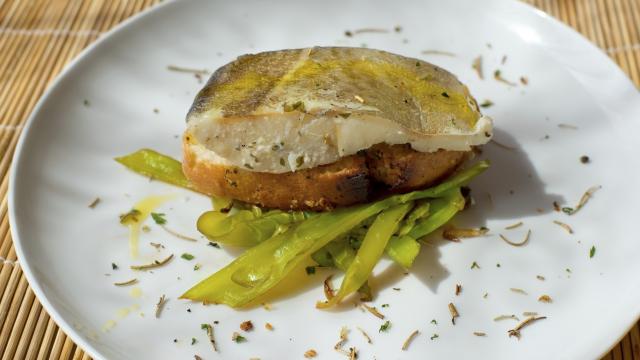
<point x="350" y="180"/>
<point x="400" y="168"/>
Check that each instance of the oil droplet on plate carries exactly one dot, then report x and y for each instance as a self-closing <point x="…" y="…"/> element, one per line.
<point x="135" y="293"/>
<point x="108" y="325"/>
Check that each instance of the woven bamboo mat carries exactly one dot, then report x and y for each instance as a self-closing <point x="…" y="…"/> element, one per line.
<point x="37" y="38"/>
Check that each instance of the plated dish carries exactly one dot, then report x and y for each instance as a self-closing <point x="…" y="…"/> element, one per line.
<point x="538" y="166"/>
<point x="332" y="154"/>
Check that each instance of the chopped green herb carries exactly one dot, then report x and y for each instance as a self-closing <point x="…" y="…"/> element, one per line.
<point x="158" y="218"/>
<point x="196" y="267"/>
<point x="385" y="327"/>
<point x="385" y="305"/>
<point x="434" y="336"/>
<point x="567" y="210"/>
<point x="475" y="265"/>
<point x="584" y="159"/>
<point x="248" y="166"/>
<point x="275" y="147"/>
<point x="434" y="322"/>
<point x="86" y="102"/>
<point x="568" y="270"/>
<point x="445" y="94"/>
<point x="238" y="338"/>
<point x="114" y="266"/>
<point x="282" y="162"/>
<point x="498" y="265"/>
<point x="299" y="160"/>
<point x="131" y="216"/>
<point x="344" y="115"/>
<point x="187" y="256"/>
<point x="193" y="341"/>
<point x="592" y="252"/>
<point x="310" y="270"/>
<point x="213" y="244"/>
<point x="205" y="326"/>
<point x="487" y="103"/>
<point x="418" y="65"/>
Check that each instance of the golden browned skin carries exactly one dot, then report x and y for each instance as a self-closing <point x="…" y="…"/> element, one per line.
<point x="419" y="96"/>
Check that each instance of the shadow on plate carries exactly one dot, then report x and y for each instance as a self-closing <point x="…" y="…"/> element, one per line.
<point x="509" y="189"/>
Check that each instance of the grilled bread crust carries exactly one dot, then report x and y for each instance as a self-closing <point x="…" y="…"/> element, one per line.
<point x="351" y="180"/>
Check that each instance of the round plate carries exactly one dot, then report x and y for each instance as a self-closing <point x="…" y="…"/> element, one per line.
<point x="577" y="102"/>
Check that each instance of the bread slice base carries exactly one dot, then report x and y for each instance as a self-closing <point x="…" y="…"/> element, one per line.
<point x="350" y="180"/>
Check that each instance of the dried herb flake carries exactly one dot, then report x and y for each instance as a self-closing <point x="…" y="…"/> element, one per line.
<point x="487" y="103"/>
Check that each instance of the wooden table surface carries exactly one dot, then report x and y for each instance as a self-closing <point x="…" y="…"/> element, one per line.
<point x="38" y="37"/>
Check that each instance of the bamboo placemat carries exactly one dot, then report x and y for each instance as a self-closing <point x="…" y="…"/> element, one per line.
<point x="37" y="38"/>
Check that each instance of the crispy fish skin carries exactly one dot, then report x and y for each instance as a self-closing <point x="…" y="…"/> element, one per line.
<point x="240" y="87"/>
<point x="415" y="94"/>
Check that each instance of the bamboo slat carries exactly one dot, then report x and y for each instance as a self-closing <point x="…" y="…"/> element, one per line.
<point x="37" y="39"/>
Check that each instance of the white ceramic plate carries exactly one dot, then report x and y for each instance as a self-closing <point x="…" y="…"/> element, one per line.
<point x="64" y="160"/>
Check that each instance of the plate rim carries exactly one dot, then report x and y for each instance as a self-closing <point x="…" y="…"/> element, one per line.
<point x="59" y="319"/>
